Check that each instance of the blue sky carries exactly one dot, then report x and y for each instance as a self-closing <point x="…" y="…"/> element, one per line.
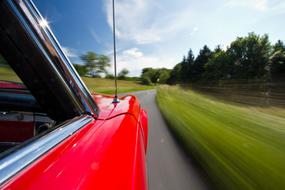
<point x="158" y="33"/>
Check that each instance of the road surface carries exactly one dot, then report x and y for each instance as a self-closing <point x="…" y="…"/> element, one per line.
<point x="168" y="166"/>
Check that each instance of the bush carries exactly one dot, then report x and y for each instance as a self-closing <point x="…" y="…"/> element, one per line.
<point x="146" y="80"/>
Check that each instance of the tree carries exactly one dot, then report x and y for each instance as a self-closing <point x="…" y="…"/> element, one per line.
<point x="95" y="64"/>
<point x="175" y="74"/>
<point x="150" y="75"/>
<point x="153" y="76"/>
<point x="163" y="75"/>
<point x="123" y="73"/>
<point x="81" y="69"/>
<point x="187" y="66"/>
<point x="200" y="62"/>
<point x="277" y="60"/>
<point x="279" y="46"/>
<point x="250" y="55"/>
<point x="218" y="67"/>
<point x="109" y="76"/>
<point x="146" y="80"/>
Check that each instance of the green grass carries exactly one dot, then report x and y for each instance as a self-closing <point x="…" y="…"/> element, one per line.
<point x="7" y="74"/>
<point x="239" y="147"/>
<point x="106" y="86"/>
<point x="98" y="85"/>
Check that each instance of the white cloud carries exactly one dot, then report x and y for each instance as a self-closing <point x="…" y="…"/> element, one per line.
<point x="95" y="36"/>
<point x="195" y="29"/>
<point x="278" y="6"/>
<point x="270" y="6"/>
<point x="260" y="5"/>
<point x="164" y="29"/>
<point x="134" y="52"/>
<point x="141" y="23"/>
<point x="148" y="37"/>
<point x="69" y="52"/>
<point x="147" y="22"/>
<point x="134" y="60"/>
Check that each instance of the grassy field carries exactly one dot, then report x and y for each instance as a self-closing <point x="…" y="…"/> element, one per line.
<point x="8" y="75"/>
<point x="239" y="147"/>
<point x="98" y="85"/>
<point x="106" y="86"/>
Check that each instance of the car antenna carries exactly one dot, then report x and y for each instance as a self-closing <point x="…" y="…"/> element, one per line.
<point x="115" y="100"/>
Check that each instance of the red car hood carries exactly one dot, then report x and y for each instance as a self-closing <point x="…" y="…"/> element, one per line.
<point x="127" y="105"/>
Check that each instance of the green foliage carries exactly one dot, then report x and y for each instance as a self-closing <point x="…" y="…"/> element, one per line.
<point x="249" y="57"/>
<point x="109" y="76"/>
<point x="218" y="66"/>
<point x="149" y="74"/>
<point x="95" y="64"/>
<point x="277" y="60"/>
<point x="187" y="65"/>
<point x="2" y="60"/>
<point x="152" y="76"/>
<point x="133" y="79"/>
<point x="175" y="76"/>
<point x="81" y="69"/>
<point x="123" y="74"/>
<point x="163" y="75"/>
<point x="279" y="46"/>
<point x="200" y="62"/>
<point x="146" y="80"/>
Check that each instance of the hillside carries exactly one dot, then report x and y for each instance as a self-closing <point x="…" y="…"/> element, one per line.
<point x="98" y="85"/>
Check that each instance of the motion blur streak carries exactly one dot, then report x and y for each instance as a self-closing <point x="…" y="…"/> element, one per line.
<point x="240" y="145"/>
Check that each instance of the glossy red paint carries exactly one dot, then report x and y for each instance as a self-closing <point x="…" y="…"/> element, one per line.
<point x="108" y="153"/>
<point x="128" y="104"/>
<point x="144" y="126"/>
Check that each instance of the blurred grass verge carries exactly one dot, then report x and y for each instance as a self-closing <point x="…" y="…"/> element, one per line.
<point x="239" y="147"/>
<point x="98" y="85"/>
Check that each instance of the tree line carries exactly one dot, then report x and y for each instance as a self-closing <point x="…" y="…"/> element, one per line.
<point x="95" y="65"/>
<point x="252" y="57"/>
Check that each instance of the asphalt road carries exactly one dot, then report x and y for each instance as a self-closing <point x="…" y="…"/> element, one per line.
<point x="168" y="166"/>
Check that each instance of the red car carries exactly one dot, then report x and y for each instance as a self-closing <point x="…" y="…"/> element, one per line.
<point x="54" y="134"/>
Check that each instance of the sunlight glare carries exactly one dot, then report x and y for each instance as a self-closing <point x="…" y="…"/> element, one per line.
<point x="43" y="23"/>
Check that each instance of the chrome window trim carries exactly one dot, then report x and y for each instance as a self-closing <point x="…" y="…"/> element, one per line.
<point x="38" y="39"/>
<point x="24" y="156"/>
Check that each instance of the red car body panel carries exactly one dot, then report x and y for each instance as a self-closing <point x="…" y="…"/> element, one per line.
<point x="108" y="153"/>
<point x="128" y="104"/>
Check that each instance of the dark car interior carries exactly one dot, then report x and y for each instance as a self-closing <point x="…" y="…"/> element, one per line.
<point x="21" y="117"/>
<point x="32" y="101"/>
